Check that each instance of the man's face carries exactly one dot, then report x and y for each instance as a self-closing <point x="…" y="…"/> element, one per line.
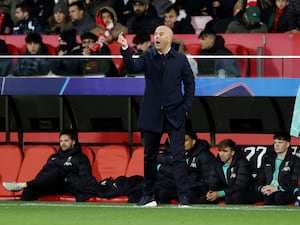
<point x="281" y="146"/>
<point x="75" y="13"/>
<point x="226" y="154"/>
<point x="139" y="8"/>
<point x="143" y="46"/>
<point x="170" y="18"/>
<point x="87" y="43"/>
<point x="33" y="48"/>
<point x="189" y="142"/>
<point x="163" y="38"/>
<point x="19" y="15"/>
<point x="206" y="42"/>
<point x="65" y="142"/>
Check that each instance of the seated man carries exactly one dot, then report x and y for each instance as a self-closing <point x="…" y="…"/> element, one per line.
<point x="33" y="66"/>
<point x="90" y="46"/>
<point x="279" y="176"/>
<point x="230" y="180"/>
<point x="212" y="44"/>
<point x="66" y="172"/>
<point x="200" y="161"/>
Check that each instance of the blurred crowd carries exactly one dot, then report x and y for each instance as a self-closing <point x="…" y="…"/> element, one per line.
<point x="100" y="22"/>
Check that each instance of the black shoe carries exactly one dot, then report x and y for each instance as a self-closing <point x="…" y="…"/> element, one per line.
<point x="147" y="201"/>
<point x="183" y="202"/>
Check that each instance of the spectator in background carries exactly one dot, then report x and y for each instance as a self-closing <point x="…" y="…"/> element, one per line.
<point x="90" y="46"/>
<point x="9" y="7"/>
<point x="212" y="44"/>
<point x="278" y="22"/>
<point x="293" y="12"/>
<point x="6" y="23"/>
<point x="59" y="20"/>
<point x="181" y="47"/>
<point x="25" y="22"/>
<point x="66" y="172"/>
<point x="223" y="13"/>
<point x="200" y="162"/>
<point x="145" y="18"/>
<point x="81" y="21"/>
<point x="278" y="178"/>
<point x="178" y="20"/>
<point x="248" y="20"/>
<point x="107" y="19"/>
<point x="193" y="7"/>
<point x="230" y="178"/>
<point x="6" y="65"/>
<point x="161" y="5"/>
<point x="142" y="42"/>
<point x="67" y="46"/>
<point x="41" y="9"/>
<point x="33" y="66"/>
<point x="124" y="10"/>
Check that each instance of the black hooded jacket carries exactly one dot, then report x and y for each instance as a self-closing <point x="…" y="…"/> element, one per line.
<point x="238" y="175"/>
<point x="213" y="66"/>
<point x="72" y="170"/>
<point x="200" y="161"/>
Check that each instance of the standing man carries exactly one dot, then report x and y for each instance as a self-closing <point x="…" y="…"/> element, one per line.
<point x="164" y="107"/>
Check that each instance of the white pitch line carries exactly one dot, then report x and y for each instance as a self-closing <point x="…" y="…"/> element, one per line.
<point x="194" y="207"/>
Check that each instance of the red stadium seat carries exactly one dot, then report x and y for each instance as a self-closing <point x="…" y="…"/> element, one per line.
<point x="35" y="157"/>
<point x="136" y="163"/>
<point x="13" y="50"/>
<point x="115" y="50"/>
<point x="10" y="162"/>
<point x="111" y="161"/>
<point x="51" y="49"/>
<point x="86" y="150"/>
<point x="237" y="49"/>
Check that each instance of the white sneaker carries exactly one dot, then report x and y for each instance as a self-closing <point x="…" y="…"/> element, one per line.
<point x="184" y="206"/>
<point x="13" y="186"/>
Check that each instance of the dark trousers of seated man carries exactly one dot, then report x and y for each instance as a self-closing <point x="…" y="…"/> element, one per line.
<point x="280" y="198"/>
<point x="196" y="195"/>
<point x="152" y="145"/>
<point x="52" y="183"/>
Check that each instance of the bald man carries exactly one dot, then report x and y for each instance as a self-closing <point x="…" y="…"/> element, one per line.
<point x="164" y="107"/>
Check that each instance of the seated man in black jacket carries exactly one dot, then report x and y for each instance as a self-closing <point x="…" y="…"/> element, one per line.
<point x="200" y="161"/>
<point x="66" y="172"/>
<point x="214" y="45"/>
<point x="280" y="173"/>
<point x="230" y="180"/>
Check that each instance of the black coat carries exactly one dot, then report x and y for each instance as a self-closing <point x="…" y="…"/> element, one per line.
<point x="70" y="168"/>
<point x="163" y="96"/>
<point x="289" y="172"/>
<point x="238" y="175"/>
<point x="200" y="162"/>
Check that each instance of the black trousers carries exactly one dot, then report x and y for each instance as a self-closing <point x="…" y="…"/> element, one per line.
<point x="152" y="144"/>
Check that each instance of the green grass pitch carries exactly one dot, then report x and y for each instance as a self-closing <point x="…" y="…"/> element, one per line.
<point x="66" y="213"/>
